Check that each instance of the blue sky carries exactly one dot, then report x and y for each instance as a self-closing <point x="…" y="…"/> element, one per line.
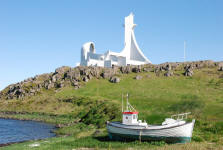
<point x="38" y="36"/>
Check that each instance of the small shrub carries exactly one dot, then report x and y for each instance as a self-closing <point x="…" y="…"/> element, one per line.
<point x="100" y="113"/>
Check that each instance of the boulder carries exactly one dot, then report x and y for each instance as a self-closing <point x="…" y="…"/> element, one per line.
<point x="156" y="70"/>
<point x="39" y="86"/>
<point x="73" y="74"/>
<point x="60" y="85"/>
<point x="202" y="64"/>
<point x="89" y="76"/>
<point x="209" y="63"/>
<point x="85" y="79"/>
<point x="76" y="87"/>
<point x="84" y="71"/>
<point x="188" y="70"/>
<point x="11" y="88"/>
<point x="95" y="71"/>
<point x="54" y="78"/>
<point x="32" y="91"/>
<point x="50" y="86"/>
<point x="147" y="69"/>
<point x="107" y="73"/>
<point x="62" y="70"/>
<point x="126" y="69"/>
<point x="162" y="68"/>
<point x="115" y="69"/>
<point x="75" y="83"/>
<point x="29" y="80"/>
<point x="137" y="69"/>
<point x="174" y="65"/>
<point x="168" y="74"/>
<point x="220" y="66"/>
<point x="168" y="67"/>
<point x="138" y="77"/>
<point x="114" y="79"/>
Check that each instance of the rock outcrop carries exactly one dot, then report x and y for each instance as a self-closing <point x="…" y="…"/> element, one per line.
<point x="220" y="66"/>
<point x="188" y="71"/>
<point x="138" y="77"/>
<point x="76" y="77"/>
<point x="168" y="74"/>
<point x="115" y="79"/>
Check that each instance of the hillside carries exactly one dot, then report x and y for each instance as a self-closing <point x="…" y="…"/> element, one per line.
<point x="80" y="100"/>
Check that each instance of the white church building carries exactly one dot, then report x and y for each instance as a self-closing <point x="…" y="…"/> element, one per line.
<point x="130" y="55"/>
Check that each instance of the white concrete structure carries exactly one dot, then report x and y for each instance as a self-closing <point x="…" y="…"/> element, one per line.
<point x="130" y="55"/>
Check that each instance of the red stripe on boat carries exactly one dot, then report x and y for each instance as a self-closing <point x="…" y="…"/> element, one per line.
<point x="130" y="112"/>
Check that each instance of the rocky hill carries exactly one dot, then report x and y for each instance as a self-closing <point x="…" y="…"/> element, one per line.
<point x="80" y="100"/>
<point x="67" y="76"/>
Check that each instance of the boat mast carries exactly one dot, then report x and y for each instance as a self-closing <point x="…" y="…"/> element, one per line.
<point x="122" y="102"/>
<point x="127" y="104"/>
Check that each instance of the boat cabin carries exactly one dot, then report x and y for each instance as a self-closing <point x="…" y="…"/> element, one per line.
<point x="129" y="117"/>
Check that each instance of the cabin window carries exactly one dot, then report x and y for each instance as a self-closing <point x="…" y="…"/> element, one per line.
<point x="134" y="116"/>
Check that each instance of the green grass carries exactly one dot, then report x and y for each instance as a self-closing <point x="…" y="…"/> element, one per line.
<point x="83" y="112"/>
<point x="70" y="142"/>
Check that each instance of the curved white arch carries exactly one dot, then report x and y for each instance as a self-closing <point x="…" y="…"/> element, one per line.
<point x="87" y="47"/>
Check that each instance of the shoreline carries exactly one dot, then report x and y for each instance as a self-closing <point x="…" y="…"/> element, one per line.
<point x="5" y="115"/>
<point x="10" y="143"/>
<point x="12" y="118"/>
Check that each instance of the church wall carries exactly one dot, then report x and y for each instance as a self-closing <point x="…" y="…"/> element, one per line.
<point x="107" y="63"/>
<point x="130" y="55"/>
<point x="94" y="62"/>
<point x="121" y="61"/>
<point x="95" y="56"/>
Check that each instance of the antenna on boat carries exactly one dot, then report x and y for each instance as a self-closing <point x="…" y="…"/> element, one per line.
<point x="127" y="102"/>
<point x="122" y="102"/>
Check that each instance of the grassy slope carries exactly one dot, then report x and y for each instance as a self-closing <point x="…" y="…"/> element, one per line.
<point x="154" y="97"/>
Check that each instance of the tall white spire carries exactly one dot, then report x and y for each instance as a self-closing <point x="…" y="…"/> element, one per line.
<point x="131" y="49"/>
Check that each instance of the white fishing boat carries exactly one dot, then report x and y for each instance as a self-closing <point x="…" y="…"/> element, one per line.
<point x="174" y="129"/>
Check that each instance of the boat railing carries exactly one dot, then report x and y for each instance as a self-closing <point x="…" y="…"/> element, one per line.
<point x="181" y="116"/>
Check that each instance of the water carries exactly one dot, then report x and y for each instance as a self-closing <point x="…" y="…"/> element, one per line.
<point x="17" y="130"/>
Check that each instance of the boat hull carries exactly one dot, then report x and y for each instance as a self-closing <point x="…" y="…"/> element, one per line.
<point x="172" y="134"/>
